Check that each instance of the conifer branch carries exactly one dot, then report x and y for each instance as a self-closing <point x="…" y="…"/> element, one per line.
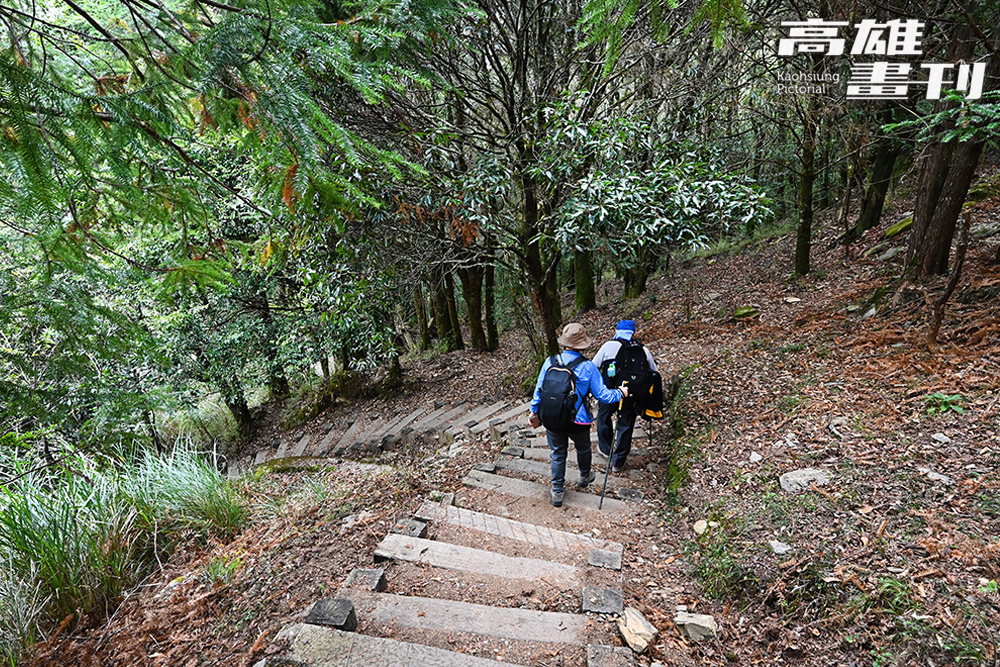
<point x="114" y="40"/>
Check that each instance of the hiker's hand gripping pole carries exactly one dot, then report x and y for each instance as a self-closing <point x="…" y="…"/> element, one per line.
<point x="614" y="441"/>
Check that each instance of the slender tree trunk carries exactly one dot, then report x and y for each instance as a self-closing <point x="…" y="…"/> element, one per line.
<point x="545" y="299"/>
<point x="472" y="292"/>
<point x="456" y="323"/>
<point x="277" y="381"/>
<point x="586" y="293"/>
<point x="489" y="299"/>
<point x="421" y="310"/>
<point x="803" y="240"/>
<point x="886" y="153"/>
<point x="442" y="319"/>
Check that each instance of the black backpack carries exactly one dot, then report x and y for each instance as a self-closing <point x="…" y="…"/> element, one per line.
<point x="557" y="408"/>
<point x="629" y="365"/>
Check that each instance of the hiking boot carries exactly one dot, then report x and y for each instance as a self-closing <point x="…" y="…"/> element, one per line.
<point x="618" y="468"/>
<point x="557" y="498"/>
<point x="585" y="480"/>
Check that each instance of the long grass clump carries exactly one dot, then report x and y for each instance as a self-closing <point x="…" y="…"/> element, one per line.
<point x="76" y="538"/>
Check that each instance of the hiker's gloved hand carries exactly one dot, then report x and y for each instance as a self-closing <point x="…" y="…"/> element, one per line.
<point x="534" y="420"/>
<point x="624" y="390"/>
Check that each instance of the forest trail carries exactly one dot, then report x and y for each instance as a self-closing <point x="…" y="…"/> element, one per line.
<point x="476" y="566"/>
<point x="895" y="555"/>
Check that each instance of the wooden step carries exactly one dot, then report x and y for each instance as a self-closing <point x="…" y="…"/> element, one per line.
<point x="466" y="422"/>
<point x="348" y="436"/>
<point x="400" y="422"/>
<point x="476" y="561"/>
<point x="542" y="454"/>
<point x="443" y="420"/>
<point x="520" y="487"/>
<point x="424" y="422"/>
<point x="520" y="410"/>
<point x="513" y="530"/>
<point x="321" y="447"/>
<point x="429" y="614"/>
<point x="328" y="647"/>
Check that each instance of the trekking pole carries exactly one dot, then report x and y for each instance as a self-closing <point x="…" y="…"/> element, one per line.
<point x="614" y="441"/>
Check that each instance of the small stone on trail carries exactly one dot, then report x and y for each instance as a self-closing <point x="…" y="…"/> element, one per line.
<point x="608" y="656"/>
<point x="486" y="467"/>
<point x="755" y="457"/>
<point x="799" y="480"/>
<point x="697" y="626"/>
<point x="637" y="631"/>
<point x="792" y="299"/>
<point x="780" y="548"/>
<point x="604" y="558"/>
<point x="335" y="613"/>
<point x="516" y="452"/>
<point x="630" y="494"/>
<point x="372" y="579"/>
<point x="602" y="600"/>
<point x="410" y="527"/>
<point x="941" y="438"/>
<point x="936" y="476"/>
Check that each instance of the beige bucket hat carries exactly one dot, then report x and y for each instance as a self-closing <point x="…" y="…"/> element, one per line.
<point x="575" y="337"/>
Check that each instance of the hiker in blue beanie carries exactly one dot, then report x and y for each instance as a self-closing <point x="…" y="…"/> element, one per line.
<point x="586" y="379"/>
<point x="623" y="359"/>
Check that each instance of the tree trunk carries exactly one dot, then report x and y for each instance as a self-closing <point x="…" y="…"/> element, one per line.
<point x="586" y="293"/>
<point x="930" y="257"/>
<point x="442" y="320"/>
<point x="545" y="300"/>
<point x="472" y="293"/>
<point x="277" y="381"/>
<point x="456" y="323"/>
<point x="945" y="176"/>
<point x="886" y="153"/>
<point x="492" y="335"/>
<point x="241" y="413"/>
<point x="421" y="309"/>
<point x="803" y="240"/>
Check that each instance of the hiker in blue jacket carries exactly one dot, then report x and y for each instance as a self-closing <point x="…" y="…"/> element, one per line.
<point x="588" y="380"/>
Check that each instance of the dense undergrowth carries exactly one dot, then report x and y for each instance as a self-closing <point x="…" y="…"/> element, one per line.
<point x="76" y="536"/>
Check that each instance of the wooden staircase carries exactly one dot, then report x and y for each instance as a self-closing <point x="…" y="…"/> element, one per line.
<point x="503" y="591"/>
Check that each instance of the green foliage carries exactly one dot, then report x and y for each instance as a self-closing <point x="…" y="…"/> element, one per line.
<point x="963" y="120"/>
<point x="632" y="191"/>
<point x="88" y="532"/>
<point x="720" y="15"/>
<point x="940" y="403"/>
<point x="220" y="571"/>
